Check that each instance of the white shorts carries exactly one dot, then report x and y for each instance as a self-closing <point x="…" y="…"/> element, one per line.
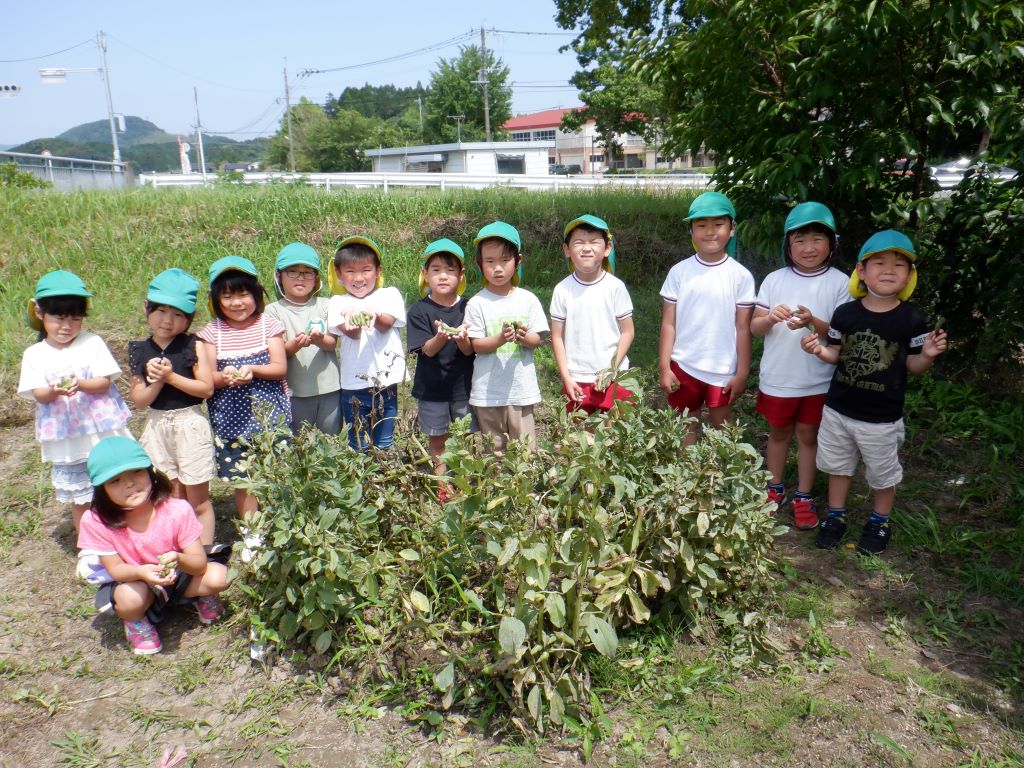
<point x="843" y="441"/>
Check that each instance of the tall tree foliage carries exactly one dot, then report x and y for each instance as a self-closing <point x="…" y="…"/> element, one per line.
<point x="843" y="102"/>
<point x="453" y="91"/>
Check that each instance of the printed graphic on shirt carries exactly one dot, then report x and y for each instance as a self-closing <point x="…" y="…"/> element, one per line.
<point x="510" y="350"/>
<point x="863" y="354"/>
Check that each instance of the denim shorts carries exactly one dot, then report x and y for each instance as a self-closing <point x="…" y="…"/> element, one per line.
<point x="370" y="415"/>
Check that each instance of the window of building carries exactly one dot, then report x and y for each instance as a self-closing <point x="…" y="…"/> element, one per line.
<point x="511" y="163"/>
<point x="544" y="135"/>
<point x="519" y="136"/>
<point x="597" y="158"/>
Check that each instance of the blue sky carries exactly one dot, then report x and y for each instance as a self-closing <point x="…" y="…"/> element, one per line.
<point x="235" y="53"/>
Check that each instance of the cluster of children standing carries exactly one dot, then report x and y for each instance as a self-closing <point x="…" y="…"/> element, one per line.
<point x="833" y="372"/>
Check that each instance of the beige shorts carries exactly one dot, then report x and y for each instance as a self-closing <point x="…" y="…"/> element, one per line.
<point x="180" y="444"/>
<point x="506" y="422"/>
<point x="843" y="441"/>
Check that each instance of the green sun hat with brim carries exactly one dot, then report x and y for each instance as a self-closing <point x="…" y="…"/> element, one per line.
<point x="710" y="205"/>
<point x="294" y="255"/>
<point x="336" y="286"/>
<point x="444" y="245"/>
<point x="60" y="282"/>
<point x="503" y="231"/>
<point x="229" y="264"/>
<point x="804" y="215"/>
<point x="880" y="242"/>
<point x="608" y="263"/>
<point x="113" y="455"/>
<point x="174" y="288"/>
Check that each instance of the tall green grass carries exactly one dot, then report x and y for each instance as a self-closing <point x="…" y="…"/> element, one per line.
<point x="117" y="241"/>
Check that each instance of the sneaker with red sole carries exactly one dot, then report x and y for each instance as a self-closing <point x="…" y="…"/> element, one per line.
<point x="805" y="514"/>
<point x="209" y="609"/>
<point x="142" y="637"/>
<point x="778" y="498"/>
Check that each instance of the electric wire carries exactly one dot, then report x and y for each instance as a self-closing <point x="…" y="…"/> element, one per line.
<point x="46" y="55"/>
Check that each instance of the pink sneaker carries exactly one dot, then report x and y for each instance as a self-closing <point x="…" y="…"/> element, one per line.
<point x="142" y="637"/>
<point x="209" y="608"/>
<point x="805" y="514"/>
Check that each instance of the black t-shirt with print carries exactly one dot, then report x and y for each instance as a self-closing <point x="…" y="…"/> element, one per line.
<point x="870" y="381"/>
<point x="448" y="375"/>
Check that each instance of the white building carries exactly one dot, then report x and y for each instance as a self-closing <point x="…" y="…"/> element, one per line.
<point x="477" y="158"/>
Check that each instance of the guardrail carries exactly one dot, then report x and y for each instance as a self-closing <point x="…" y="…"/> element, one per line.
<point x="70" y="173"/>
<point x="386" y="181"/>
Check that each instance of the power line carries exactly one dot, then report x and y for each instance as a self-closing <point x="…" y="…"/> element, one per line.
<point x="397" y="57"/>
<point x="516" y="32"/>
<point x="45" y="55"/>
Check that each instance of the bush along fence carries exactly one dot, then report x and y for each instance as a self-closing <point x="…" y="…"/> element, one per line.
<point x="497" y="599"/>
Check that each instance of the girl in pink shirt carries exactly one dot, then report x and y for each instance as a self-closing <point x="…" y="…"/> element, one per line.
<point x="148" y="541"/>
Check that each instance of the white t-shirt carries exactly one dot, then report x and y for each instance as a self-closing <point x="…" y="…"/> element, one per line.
<point x="375" y="358"/>
<point x="786" y="370"/>
<point x="506" y="376"/>
<point x="706" y="298"/>
<point x="591" y="313"/>
<point x="69" y="427"/>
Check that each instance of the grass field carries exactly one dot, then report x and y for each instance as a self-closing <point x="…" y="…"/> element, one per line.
<point x="912" y="659"/>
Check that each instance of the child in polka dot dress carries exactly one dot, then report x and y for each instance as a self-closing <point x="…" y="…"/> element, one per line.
<point x="245" y="348"/>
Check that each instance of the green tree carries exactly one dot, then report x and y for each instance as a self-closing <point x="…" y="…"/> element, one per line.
<point x="454" y="92"/>
<point x="308" y="120"/>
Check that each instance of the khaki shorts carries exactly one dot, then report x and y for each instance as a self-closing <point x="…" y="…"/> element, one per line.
<point x="506" y="422"/>
<point x="843" y="441"/>
<point x="180" y="444"/>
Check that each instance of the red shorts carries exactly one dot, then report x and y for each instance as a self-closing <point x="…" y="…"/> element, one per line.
<point x="693" y="393"/>
<point x="784" y="411"/>
<point x="597" y="401"/>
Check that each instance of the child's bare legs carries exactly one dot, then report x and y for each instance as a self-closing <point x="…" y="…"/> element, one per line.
<point x="884" y="499"/>
<point x="777" y="452"/>
<point x="212" y="582"/>
<point x="132" y="600"/>
<point x="806" y="457"/>
<point x="838" y="490"/>
<point x="435" y="447"/>
<point x="245" y="503"/>
<point x="77" y="511"/>
<point x="718" y="416"/>
<point x="199" y="497"/>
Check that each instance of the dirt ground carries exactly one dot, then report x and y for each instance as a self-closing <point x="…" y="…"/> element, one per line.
<point x="72" y="694"/>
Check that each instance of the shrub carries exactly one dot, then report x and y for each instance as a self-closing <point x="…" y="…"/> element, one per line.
<point x="12" y="176"/>
<point x="540" y="561"/>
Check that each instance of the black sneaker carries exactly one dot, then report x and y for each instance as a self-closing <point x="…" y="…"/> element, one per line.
<point x="830" y="533"/>
<point x="874" y="538"/>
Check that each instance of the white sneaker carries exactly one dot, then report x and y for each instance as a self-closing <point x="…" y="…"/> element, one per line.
<point x="251" y="544"/>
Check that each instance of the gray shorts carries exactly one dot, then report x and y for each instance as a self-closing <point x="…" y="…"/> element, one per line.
<point x="843" y="441"/>
<point x="436" y="417"/>
<point x="320" y="411"/>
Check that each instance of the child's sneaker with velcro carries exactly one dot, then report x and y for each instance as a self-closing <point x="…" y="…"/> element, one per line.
<point x="143" y="637"/>
<point x="874" y="538"/>
<point x="776" y="496"/>
<point x="830" y="533"/>
<point x="805" y="513"/>
<point x="209" y="608"/>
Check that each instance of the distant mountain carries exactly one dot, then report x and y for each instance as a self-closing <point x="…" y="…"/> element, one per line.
<point x="144" y="145"/>
<point x="136" y="131"/>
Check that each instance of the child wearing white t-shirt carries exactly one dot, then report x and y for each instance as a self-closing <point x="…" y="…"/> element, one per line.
<point x="793" y="301"/>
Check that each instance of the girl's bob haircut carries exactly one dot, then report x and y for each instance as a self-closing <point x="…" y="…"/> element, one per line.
<point x="235" y="281"/>
<point x="113" y="515"/>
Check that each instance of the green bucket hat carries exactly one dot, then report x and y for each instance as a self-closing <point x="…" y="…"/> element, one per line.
<point x="113" y="455"/>
<point x="880" y="242"/>
<point x="229" y="263"/>
<point x="503" y="231"/>
<point x="295" y="254"/>
<point x="60" y="282"/>
<point x="803" y="215"/>
<point x="596" y="223"/>
<point x="174" y="288"/>
<point x="444" y="245"/>
<point x="334" y="281"/>
<point x="711" y="204"/>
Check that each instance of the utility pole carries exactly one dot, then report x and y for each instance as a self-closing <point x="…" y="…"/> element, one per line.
<point x="288" y="113"/>
<point x="199" y="135"/>
<point x="419" y="102"/>
<point x="102" y="43"/>
<point x="483" y="81"/>
<point x="458" y="126"/>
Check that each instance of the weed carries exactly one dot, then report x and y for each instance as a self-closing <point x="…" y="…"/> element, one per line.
<point x="191" y="673"/>
<point x="939" y="725"/>
<point x="818" y="650"/>
<point x="79" y="751"/>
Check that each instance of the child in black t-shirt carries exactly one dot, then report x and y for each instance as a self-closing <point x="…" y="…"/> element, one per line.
<point x="437" y="333"/>
<point x="874" y="343"/>
<point x="171" y="377"/>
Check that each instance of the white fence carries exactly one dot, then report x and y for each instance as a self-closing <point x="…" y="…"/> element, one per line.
<point x="386" y="181"/>
<point x="70" y="173"/>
